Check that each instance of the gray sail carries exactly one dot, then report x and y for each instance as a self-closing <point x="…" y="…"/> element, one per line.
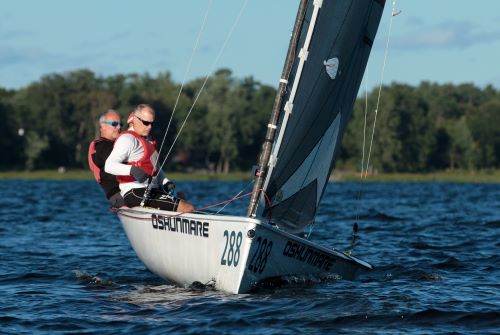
<point x="333" y="49"/>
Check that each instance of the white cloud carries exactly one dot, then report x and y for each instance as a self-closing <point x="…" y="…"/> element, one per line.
<point x="16" y="34"/>
<point x="445" y="35"/>
<point x="11" y="55"/>
<point x="106" y="41"/>
<point x="415" y="21"/>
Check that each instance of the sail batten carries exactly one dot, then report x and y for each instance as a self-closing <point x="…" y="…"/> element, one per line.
<point x="334" y="46"/>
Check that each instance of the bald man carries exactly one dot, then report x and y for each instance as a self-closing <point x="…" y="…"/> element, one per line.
<point x="99" y="150"/>
<point x="133" y="161"/>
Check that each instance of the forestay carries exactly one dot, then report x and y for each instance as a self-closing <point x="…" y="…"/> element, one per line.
<point x="322" y="87"/>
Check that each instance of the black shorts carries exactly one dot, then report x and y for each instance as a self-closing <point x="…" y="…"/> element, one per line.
<point x="157" y="199"/>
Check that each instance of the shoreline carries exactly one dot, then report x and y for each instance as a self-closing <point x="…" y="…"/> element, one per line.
<point x="458" y="176"/>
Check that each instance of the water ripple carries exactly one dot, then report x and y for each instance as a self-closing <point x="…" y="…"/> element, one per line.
<point x="67" y="266"/>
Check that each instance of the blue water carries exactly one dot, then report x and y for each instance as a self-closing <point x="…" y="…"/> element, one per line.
<point x="67" y="266"/>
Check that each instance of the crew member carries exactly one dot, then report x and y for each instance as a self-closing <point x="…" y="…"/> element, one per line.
<point x="133" y="161"/>
<point x="99" y="150"/>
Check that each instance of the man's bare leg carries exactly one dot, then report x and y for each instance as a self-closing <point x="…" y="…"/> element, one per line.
<point x="185" y="207"/>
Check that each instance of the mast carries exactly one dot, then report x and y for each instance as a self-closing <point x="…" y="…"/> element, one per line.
<point x="278" y="102"/>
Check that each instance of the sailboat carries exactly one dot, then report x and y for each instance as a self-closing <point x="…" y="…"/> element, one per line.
<point x="325" y="63"/>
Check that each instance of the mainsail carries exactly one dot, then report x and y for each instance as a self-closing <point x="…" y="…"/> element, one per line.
<point x="334" y="43"/>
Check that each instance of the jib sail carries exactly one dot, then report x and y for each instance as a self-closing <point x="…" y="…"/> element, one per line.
<point x="335" y="41"/>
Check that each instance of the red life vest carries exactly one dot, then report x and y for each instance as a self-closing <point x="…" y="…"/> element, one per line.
<point x="94" y="168"/>
<point x="145" y="163"/>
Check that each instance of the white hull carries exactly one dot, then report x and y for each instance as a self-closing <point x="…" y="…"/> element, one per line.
<point x="233" y="252"/>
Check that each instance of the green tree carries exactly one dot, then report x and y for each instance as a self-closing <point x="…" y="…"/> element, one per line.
<point x="485" y="129"/>
<point x="12" y="139"/>
<point x="462" y="145"/>
<point x="34" y="146"/>
<point x="439" y="156"/>
<point x="50" y="122"/>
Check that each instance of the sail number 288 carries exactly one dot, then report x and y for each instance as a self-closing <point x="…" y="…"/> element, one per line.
<point x="231" y="254"/>
<point x="259" y="259"/>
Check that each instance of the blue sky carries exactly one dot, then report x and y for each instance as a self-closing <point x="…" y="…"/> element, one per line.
<point x="445" y="41"/>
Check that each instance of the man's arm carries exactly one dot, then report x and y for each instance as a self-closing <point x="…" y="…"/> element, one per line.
<point x="121" y="153"/>
<point x="161" y="178"/>
<point x="102" y="151"/>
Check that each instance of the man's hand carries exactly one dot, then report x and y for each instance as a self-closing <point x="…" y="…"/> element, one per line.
<point x="116" y="200"/>
<point x="169" y="187"/>
<point x="140" y="175"/>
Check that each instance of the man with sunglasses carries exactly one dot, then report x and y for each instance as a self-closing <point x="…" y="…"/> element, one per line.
<point x="133" y="161"/>
<point x="99" y="150"/>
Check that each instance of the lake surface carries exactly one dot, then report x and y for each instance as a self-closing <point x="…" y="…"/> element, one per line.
<point x="67" y="266"/>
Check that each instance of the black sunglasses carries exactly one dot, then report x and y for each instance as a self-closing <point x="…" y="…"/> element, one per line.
<point x="146" y="123"/>
<point x="113" y="123"/>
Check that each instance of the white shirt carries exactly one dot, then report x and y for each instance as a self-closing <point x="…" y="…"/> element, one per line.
<point x="127" y="148"/>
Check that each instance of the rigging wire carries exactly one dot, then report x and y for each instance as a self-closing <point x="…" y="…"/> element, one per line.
<point x="188" y="69"/>
<point x="204" y="208"/>
<point x="236" y="196"/>
<point x="360" y="191"/>
<point x="364" y="125"/>
<point x="228" y="36"/>
<point x="364" y="170"/>
<point x="358" y="196"/>
<point x="393" y="14"/>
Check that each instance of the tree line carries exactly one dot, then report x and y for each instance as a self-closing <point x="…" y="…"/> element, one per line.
<point x="51" y="122"/>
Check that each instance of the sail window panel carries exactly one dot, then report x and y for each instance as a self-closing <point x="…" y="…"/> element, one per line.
<point x="315" y="169"/>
